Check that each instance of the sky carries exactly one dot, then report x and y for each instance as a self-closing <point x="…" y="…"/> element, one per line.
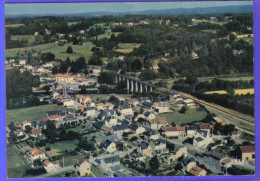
<point x="69" y="8"/>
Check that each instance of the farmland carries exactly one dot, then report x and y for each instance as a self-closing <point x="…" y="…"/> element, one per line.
<point x="228" y="78"/>
<point x="237" y="91"/>
<point x="30" y="114"/>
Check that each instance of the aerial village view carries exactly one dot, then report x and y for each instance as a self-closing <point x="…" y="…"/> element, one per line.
<point x="98" y="90"/>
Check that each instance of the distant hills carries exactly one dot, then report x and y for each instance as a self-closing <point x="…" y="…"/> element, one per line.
<point x="177" y="11"/>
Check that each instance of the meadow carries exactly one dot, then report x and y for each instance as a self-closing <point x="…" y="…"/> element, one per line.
<point x="237" y="91"/>
<point x="30" y="114"/>
<point x="127" y="47"/>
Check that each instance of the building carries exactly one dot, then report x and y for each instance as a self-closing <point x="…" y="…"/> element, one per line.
<point x="60" y="78"/>
<point x="189" y="103"/>
<point x="83" y="167"/>
<point x="157" y="123"/>
<point x="26" y="123"/>
<point x="110" y="121"/>
<point x="149" y="115"/>
<point x="178" y="152"/>
<point x="158" y="145"/>
<point x="19" y="132"/>
<point x="197" y="171"/>
<point x="102" y="139"/>
<point x="151" y="134"/>
<point x="188" y="163"/>
<point x="145" y="149"/>
<point x="108" y="162"/>
<point x="247" y="152"/>
<point x="68" y="103"/>
<point x="163" y="107"/>
<point x="51" y="166"/>
<point x="219" y="120"/>
<point x="83" y="98"/>
<point x="191" y="131"/>
<point x="120" y="129"/>
<point x="109" y="146"/>
<point x="125" y="110"/>
<point x="36" y="133"/>
<point x="91" y="111"/>
<point x="36" y="153"/>
<point x="202" y="139"/>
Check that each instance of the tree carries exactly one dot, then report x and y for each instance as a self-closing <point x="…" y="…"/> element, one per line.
<point x="51" y="132"/>
<point x="154" y="163"/>
<point x="69" y="50"/>
<point x="12" y="136"/>
<point x="28" y="129"/>
<point x="183" y="109"/>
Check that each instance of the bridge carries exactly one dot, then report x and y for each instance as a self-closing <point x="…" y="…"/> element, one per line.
<point x="135" y="85"/>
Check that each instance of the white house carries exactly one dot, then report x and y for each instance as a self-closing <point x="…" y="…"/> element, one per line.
<point x="26" y="123"/>
<point x="202" y="139"/>
<point x="63" y="78"/>
<point x="158" y="145"/>
<point x="163" y="107"/>
<point x="149" y="115"/>
<point x="91" y="111"/>
<point x="19" y="132"/>
<point x="125" y="110"/>
<point x="83" y="167"/>
<point x="110" y="121"/>
<point x="36" y="153"/>
<point x="145" y="149"/>
<point x="188" y="163"/>
<point x="36" y="132"/>
<point x="51" y="166"/>
<point x="189" y="103"/>
<point x="108" y="162"/>
<point x="68" y="102"/>
<point x="110" y="146"/>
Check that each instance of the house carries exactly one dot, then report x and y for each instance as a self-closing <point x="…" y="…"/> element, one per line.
<point x="163" y="107"/>
<point x="191" y="131"/>
<point x="219" y="120"/>
<point x="120" y="129"/>
<point x="145" y="99"/>
<point x="133" y="102"/>
<point x="139" y="157"/>
<point x="158" y="145"/>
<point x="69" y="119"/>
<point x="105" y="113"/>
<point x="151" y="134"/>
<point x="63" y="78"/>
<point x="36" y="132"/>
<point x="74" y="86"/>
<point x="108" y="162"/>
<point x="212" y="160"/>
<point x="178" y="152"/>
<point x="197" y="171"/>
<point x="83" y="167"/>
<point x="109" y="146"/>
<point x="55" y="117"/>
<point x="157" y="123"/>
<point x="129" y="117"/>
<point x="226" y="162"/>
<point x="189" y="103"/>
<point x="110" y="121"/>
<point x="202" y="139"/>
<point x="149" y="115"/>
<point x="188" y="163"/>
<point x="137" y="129"/>
<point x="68" y="102"/>
<point x="55" y="112"/>
<point x="91" y="111"/>
<point x="82" y="98"/>
<point x="102" y="139"/>
<point x="36" y="153"/>
<point x="42" y="122"/>
<point x="81" y="108"/>
<point x="125" y="110"/>
<point x="145" y="149"/>
<point x="96" y="71"/>
<point x="109" y="106"/>
<point x="147" y="105"/>
<point x="247" y="152"/>
<point x="99" y="106"/>
<point x="181" y="131"/>
<point x="26" y="123"/>
<point x="205" y="126"/>
<point x="51" y="166"/>
<point x="19" y="132"/>
<point x="170" y="132"/>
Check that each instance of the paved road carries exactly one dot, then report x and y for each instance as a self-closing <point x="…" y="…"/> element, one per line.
<point x="71" y="167"/>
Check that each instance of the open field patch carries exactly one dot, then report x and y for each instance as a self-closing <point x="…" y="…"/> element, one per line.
<point x="237" y="91"/>
<point x="16" y="166"/>
<point x="29" y="38"/>
<point x="30" y="113"/>
<point x="245" y="36"/>
<point x="13" y="25"/>
<point x="60" y="148"/>
<point x="228" y="78"/>
<point x="189" y="116"/>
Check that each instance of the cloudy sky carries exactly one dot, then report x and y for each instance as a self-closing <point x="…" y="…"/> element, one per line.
<point x="68" y="8"/>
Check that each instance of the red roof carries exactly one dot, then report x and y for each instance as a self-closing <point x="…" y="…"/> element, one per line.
<point x="248" y="149"/>
<point x="181" y="128"/>
<point x="43" y="119"/>
<point x="35" y="151"/>
<point x="64" y="75"/>
<point x="54" y="116"/>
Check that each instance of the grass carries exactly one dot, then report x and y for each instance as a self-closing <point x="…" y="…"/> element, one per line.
<point x="16" y="166"/>
<point x="73" y="23"/>
<point x="78" y="51"/>
<point x="69" y="160"/>
<point x="249" y="40"/>
<point x="189" y="116"/>
<point x="237" y="91"/>
<point x="107" y="35"/>
<point x="245" y="36"/>
<point x="127" y="47"/>
<point x="96" y="171"/>
<point x="210" y="31"/>
<point x="30" y="114"/>
<point x="60" y="175"/>
<point x="29" y="38"/>
<point x="60" y="147"/>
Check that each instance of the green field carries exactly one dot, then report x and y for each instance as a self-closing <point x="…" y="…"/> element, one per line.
<point x="78" y="51"/>
<point x="210" y="31"/>
<point x="73" y="23"/>
<point x="250" y="40"/>
<point x="189" y="116"/>
<point x="13" y="25"/>
<point x="29" y="38"/>
<point x="30" y="114"/>
<point x="69" y="160"/>
<point x="229" y="78"/>
<point x="60" y="147"/>
<point x="16" y="166"/>
<point x="60" y="175"/>
<point x="127" y="47"/>
<point x="107" y="35"/>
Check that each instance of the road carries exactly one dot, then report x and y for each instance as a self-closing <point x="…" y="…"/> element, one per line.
<point x="64" y="169"/>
